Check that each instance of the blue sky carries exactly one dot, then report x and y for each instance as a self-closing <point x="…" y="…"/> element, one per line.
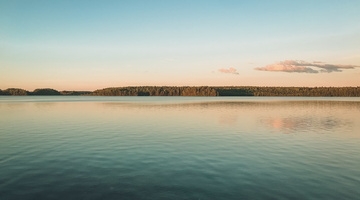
<point x="95" y="44"/>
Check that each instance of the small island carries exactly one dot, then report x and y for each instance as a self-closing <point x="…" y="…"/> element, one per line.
<point x="197" y="91"/>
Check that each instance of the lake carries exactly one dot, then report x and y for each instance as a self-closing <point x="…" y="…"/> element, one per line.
<point x="74" y="147"/>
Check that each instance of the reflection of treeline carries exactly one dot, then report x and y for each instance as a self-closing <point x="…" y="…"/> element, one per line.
<point x="198" y="91"/>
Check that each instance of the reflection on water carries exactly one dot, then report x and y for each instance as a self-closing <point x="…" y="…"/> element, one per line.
<point x="230" y="119"/>
<point x="306" y="123"/>
<point x="179" y="148"/>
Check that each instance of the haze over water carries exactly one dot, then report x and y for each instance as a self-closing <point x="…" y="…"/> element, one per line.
<point x="179" y="148"/>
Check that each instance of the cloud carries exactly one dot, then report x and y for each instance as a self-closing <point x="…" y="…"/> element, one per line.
<point x="305" y="67"/>
<point x="230" y="70"/>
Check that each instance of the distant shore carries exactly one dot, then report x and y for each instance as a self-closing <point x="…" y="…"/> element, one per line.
<point x="196" y="91"/>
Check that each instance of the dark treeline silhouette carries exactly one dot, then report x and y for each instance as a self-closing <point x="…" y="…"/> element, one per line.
<point x="41" y="91"/>
<point x="156" y="91"/>
<point x="14" y="92"/>
<point x="45" y="91"/>
<point x="290" y="91"/>
<point x="229" y="91"/>
<point x="75" y="93"/>
<point x="198" y="91"/>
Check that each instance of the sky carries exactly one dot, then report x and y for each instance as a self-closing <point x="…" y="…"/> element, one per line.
<point x="88" y="45"/>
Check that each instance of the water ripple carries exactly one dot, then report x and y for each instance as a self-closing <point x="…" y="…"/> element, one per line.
<point x="201" y="149"/>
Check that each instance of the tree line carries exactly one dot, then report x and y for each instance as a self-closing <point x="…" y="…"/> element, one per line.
<point x="156" y="91"/>
<point x="42" y="91"/>
<point x="197" y="91"/>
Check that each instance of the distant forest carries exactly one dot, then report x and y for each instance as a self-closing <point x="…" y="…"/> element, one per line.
<point x="44" y="91"/>
<point x="198" y="91"/>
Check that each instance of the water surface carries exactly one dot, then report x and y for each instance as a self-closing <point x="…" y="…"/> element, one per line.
<point x="179" y="148"/>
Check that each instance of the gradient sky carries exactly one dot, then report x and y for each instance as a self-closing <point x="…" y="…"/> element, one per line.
<point x="88" y="45"/>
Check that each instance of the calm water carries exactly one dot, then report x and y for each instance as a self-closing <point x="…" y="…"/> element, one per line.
<point x="179" y="148"/>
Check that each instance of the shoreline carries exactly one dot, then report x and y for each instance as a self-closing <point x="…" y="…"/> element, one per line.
<point x="195" y="91"/>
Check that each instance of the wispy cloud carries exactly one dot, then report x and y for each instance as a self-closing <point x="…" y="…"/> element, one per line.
<point x="305" y="67"/>
<point x="230" y="70"/>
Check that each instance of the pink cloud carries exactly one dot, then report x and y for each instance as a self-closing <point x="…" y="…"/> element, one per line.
<point x="305" y="67"/>
<point x="230" y="70"/>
